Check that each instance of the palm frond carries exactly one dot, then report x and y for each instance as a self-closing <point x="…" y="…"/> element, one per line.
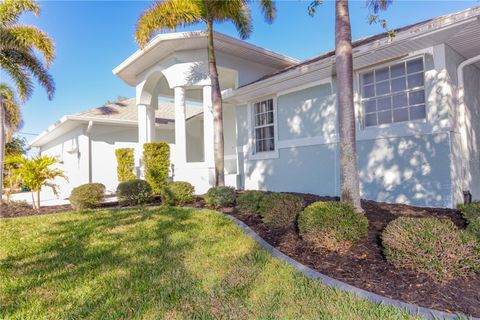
<point x="269" y="10"/>
<point x="26" y="37"/>
<point x="166" y="15"/>
<point x="10" y="10"/>
<point x="242" y="20"/>
<point x="31" y="63"/>
<point x="22" y="79"/>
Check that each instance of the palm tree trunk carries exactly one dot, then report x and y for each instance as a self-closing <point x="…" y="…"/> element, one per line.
<point x="217" y="111"/>
<point x="2" y="150"/>
<point x="346" y="111"/>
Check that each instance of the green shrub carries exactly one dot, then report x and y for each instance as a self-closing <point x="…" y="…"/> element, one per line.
<point x="183" y="192"/>
<point x="331" y="225"/>
<point x="249" y="201"/>
<point x="125" y="164"/>
<point x="167" y="196"/>
<point x="432" y="246"/>
<point x="280" y="210"/>
<point x="471" y="213"/>
<point x="220" y="196"/>
<point x="87" y="196"/>
<point x="156" y="158"/>
<point x="134" y="192"/>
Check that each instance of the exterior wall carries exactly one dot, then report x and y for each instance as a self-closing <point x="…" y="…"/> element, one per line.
<point x="71" y="150"/>
<point x="405" y="162"/>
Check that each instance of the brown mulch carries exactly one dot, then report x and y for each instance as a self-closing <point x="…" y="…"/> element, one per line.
<point x="21" y="210"/>
<point x="364" y="266"/>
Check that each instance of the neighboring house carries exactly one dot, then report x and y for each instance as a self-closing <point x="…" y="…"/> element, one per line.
<point x="417" y="100"/>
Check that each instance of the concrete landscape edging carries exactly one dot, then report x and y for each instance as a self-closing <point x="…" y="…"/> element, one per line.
<point x="413" y="309"/>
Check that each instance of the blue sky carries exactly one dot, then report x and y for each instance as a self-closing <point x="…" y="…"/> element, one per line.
<point x="93" y="37"/>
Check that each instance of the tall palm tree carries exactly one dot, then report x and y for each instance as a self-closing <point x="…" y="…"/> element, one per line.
<point x="18" y="59"/>
<point x="349" y="179"/>
<point x="169" y="14"/>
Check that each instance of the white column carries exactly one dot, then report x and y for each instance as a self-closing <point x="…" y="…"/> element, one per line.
<point x="180" y="133"/>
<point x="146" y="131"/>
<point x="208" y="126"/>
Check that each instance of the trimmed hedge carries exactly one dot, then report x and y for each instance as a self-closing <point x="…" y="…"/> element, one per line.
<point x="87" y="196"/>
<point x="125" y="164"/>
<point x="134" y="192"/>
<point x="471" y="213"/>
<point x="220" y="196"/>
<point x="431" y="246"/>
<point x="249" y="201"/>
<point x="331" y="225"/>
<point x="280" y="210"/>
<point x="183" y="192"/>
<point x="156" y="158"/>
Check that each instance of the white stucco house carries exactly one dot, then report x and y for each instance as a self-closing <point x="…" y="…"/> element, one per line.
<point x="417" y="100"/>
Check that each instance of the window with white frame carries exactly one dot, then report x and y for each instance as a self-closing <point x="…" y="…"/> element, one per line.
<point x="264" y="126"/>
<point x="395" y="93"/>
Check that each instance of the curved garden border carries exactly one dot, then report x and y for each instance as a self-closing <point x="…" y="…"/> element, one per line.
<point x="342" y="286"/>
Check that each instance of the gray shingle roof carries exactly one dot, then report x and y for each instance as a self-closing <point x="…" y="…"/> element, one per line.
<point x="127" y="110"/>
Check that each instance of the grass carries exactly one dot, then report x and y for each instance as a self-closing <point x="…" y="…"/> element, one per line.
<point x="151" y="264"/>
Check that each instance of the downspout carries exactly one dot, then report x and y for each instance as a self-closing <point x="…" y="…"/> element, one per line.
<point x="87" y="133"/>
<point x="462" y="123"/>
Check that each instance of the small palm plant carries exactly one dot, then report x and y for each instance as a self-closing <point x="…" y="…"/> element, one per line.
<point x="36" y="173"/>
<point x="169" y="14"/>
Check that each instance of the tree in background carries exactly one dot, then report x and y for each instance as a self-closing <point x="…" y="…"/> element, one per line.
<point x="169" y="14"/>
<point x="17" y="146"/>
<point x="18" y="47"/>
<point x="36" y="173"/>
<point x="349" y="180"/>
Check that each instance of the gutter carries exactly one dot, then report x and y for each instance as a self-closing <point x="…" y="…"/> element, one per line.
<point x="462" y="123"/>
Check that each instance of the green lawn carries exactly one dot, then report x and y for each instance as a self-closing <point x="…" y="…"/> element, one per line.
<point x="152" y="264"/>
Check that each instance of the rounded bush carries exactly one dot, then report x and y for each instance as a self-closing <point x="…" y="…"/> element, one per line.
<point x="249" y="201"/>
<point x="220" y="196"/>
<point x="331" y="225"/>
<point x="134" y="192"/>
<point x="280" y="210"/>
<point x="431" y="246"/>
<point x="167" y="197"/>
<point x="183" y="192"/>
<point x="87" y="196"/>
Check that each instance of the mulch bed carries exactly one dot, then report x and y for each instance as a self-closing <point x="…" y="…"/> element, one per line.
<point x="20" y="210"/>
<point x="364" y="266"/>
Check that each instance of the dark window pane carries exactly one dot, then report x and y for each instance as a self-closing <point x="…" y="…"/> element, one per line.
<point x="384" y="103"/>
<point x="268" y="132"/>
<point x="370" y="106"/>
<point x="258" y="133"/>
<point x="257" y="107"/>
<point x="270" y="105"/>
<point x="417" y="112"/>
<point x="415" y="80"/>
<point x="385" y="117"/>
<point x="398" y="84"/>
<point x="270" y="145"/>
<point x="368" y="91"/>
<point x="270" y="117"/>
<point x="400" y="115"/>
<point x="367" y="78"/>
<point x="381" y="74"/>
<point x="264" y="106"/>
<point x="397" y="70"/>
<point x="371" y="120"/>
<point x="415" y="65"/>
<point x="382" y="88"/>
<point x="400" y="100"/>
<point x="258" y="146"/>
<point x="416" y="97"/>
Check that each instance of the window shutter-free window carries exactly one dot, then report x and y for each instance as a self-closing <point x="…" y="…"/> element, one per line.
<point x="264" y="127"/>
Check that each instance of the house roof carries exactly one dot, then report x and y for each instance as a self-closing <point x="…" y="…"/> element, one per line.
<point x="117" y="113"/>
<point x="166" y="43"/>
<point x="459" y="30"/>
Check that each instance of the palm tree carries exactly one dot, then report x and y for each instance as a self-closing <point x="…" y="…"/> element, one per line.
<point x="169" y="14"/>
<point x="19" y="61"/>
<point x="349" y="180"/>
<point x="35" y="173"/>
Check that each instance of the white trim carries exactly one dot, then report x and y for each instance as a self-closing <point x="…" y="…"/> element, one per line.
<point x="251" y="154"/>
<point x="304" y="86"/>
